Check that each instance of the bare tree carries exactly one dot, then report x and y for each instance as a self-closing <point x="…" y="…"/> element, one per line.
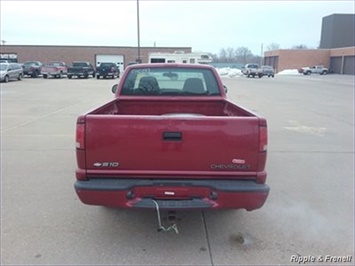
<point x="230" y="54"/>
<point x="273" y="46"/>
<point x="243" y="54"/>
<point x="223" y="55"/>
<point x="215" y="57"/>
<point x="300" y="46"/>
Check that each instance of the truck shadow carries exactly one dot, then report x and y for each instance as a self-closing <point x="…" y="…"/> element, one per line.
<point x="201" y="234"/>
<point x="229" y="227"/>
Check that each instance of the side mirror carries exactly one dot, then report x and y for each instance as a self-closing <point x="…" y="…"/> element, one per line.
<point x="114" y="88"/>
<point x="225" y="89"/>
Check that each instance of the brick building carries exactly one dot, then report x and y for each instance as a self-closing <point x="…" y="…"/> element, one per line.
<point x="68" y="54"/>
<point x="337" y="48"/>
<point x="339" y="60"/>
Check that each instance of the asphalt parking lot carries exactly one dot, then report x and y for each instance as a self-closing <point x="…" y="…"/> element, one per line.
<point x="309" y="212"/>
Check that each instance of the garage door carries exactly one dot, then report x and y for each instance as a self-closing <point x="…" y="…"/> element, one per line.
<point x="349" y="65"/>
<point x="335" y="64"/>
<point x="104" y="58"/>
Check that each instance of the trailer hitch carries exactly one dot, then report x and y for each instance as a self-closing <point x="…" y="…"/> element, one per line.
<point x="171" y="217"/>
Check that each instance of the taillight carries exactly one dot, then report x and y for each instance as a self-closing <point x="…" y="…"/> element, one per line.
<point x="80" y="134"/>
<point x="262" y="138"/>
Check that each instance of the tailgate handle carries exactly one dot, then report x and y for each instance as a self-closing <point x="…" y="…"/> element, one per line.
<point x="172" y="136"/>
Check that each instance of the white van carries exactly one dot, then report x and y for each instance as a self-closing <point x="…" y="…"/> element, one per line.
<point x="10" y="71"/>
<point x="180" y="57"/>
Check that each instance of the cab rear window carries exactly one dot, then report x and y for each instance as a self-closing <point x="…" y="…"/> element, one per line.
<point x="170" y="81"/>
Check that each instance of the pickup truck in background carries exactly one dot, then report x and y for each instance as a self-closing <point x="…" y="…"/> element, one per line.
<point x="313" y="70"/>
<point x="107" y="70"/>
<point x="32" y="68"/>
<point x="54" y="69"/>
<point x="252" y="70"/>
<point x="171" y="138"/>
<point x="81" y="69"/>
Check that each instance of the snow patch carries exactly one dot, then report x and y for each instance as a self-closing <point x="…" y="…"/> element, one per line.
<point x="229" y="72"/>
<point x="235" y="72"/>
<point x="289" y="72"/>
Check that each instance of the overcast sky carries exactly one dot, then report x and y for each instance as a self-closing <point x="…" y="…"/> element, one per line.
<point x="205" y="26"/>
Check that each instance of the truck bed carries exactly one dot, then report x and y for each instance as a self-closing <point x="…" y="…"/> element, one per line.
<point x="172" y="138"/>
<point x="177" y="107"/>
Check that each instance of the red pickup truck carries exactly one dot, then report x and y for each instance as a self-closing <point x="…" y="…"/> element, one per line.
<point x="54" y="69"/>
<point x="171" y="138"/>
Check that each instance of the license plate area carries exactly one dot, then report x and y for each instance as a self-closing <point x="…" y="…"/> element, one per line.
<point x="170" y="192"/>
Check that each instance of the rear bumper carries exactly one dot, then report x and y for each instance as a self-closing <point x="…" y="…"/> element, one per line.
<point x="52" y="73"/>
<point x="107" y="74"/>
<point x="173" y="194"/>
<point x="78" y="73"/>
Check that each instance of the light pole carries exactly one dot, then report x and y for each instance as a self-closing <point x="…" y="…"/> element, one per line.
<point x="139" y="60"/>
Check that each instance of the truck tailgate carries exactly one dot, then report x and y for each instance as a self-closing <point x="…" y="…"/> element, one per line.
<point x="143" y="146"/>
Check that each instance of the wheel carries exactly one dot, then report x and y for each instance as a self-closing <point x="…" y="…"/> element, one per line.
<point x="308" y="73"/>
<point x="260" y="76"/>
<point x="324" y="72"/>
<point x="6" y="79"/>
<point x="19" y="76"/>
<point x="60" y="75"/>
<point x="45" y="76"/>
<point x="86" y="76"/>
<point x="69" y="76"/>
<point x="98" y="76"/>
<point x="273" y="76"/>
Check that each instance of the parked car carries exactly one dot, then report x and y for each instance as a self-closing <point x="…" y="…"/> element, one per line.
<point x="54" y="69"/>
<point x="314" y="70"/>
<point x="107" y="70"/>
<point x="81" y="69"/>
<point x="252" y="70"/>
<point x="10" y="71"/>
<point x="268" y="71"/>
<point x="32" y="68"/>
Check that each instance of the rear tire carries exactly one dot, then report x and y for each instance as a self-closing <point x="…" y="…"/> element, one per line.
<point x="45" y="76"/>
<point x="69" y="76"/>
<point x="98" y="76"/>
<point x="6" y="79"/>
<point x="19" y="77"/>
